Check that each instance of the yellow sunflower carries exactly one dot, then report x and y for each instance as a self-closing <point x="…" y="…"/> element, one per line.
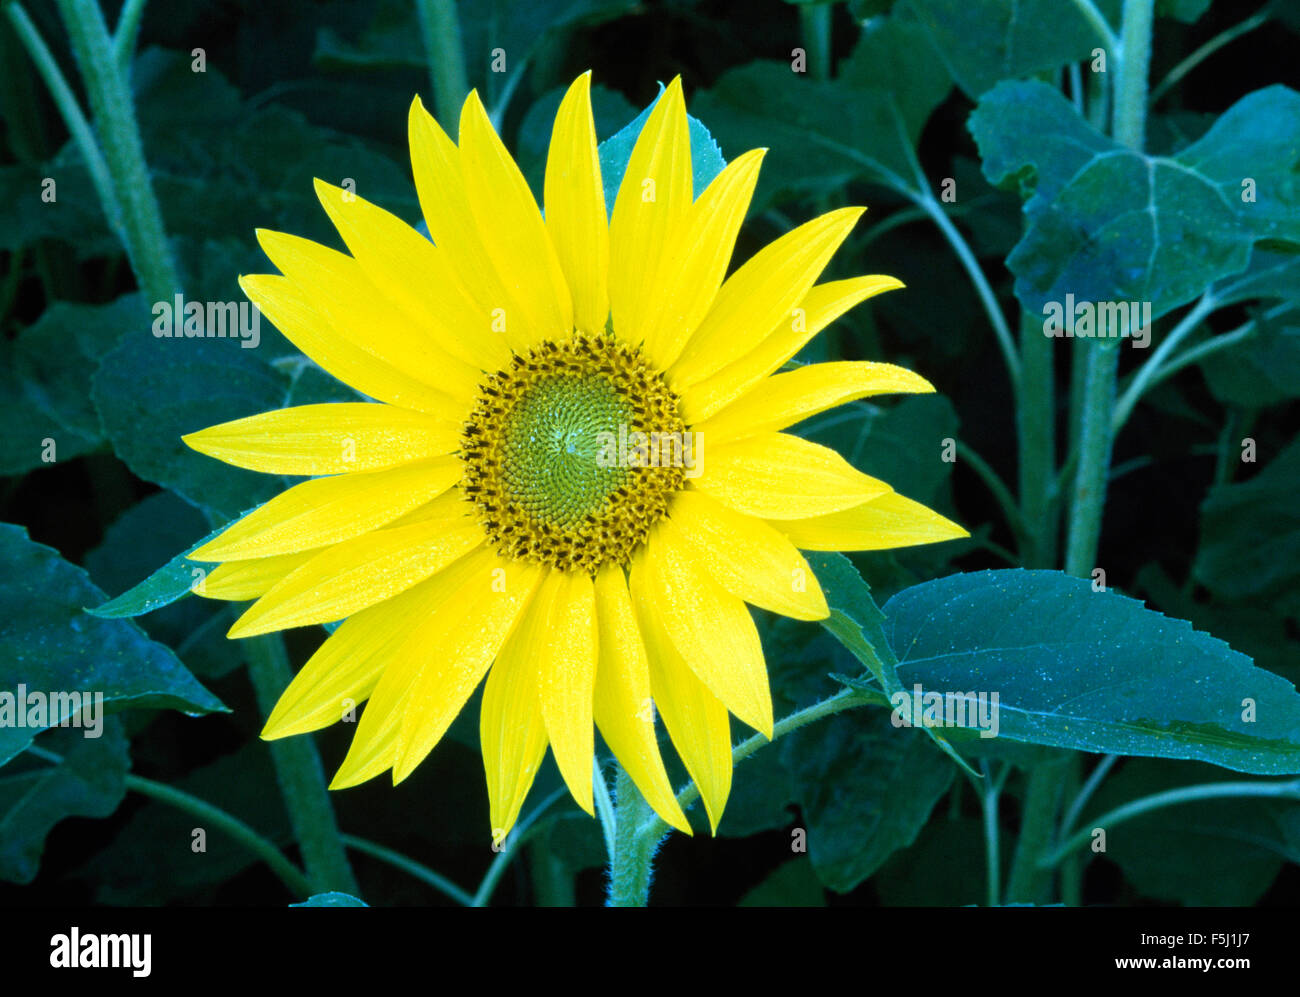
<point x="573" y="475"/>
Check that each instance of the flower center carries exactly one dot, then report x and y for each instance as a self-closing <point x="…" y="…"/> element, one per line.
<point x="559" y="453"/>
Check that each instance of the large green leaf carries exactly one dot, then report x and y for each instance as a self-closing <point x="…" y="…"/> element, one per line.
<point x="1093" y="671"/>
<point x="1107" y="223"/>
<point x="48" y="644"/>
<point x="1250" y="536"/>
<point x="37" y="792"/>
<point x="985" y="41"/>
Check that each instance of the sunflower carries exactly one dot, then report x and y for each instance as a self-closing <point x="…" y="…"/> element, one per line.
<point x="573" y="475"/>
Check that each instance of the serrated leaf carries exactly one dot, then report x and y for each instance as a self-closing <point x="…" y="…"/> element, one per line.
<point x="1092" y="671"/>
<point x="335" y="899"/>
<point x="48" y="644"/>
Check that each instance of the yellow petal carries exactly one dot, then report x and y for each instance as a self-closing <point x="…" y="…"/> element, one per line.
<point x="340" y="290"/>
<point x="239" y="580"/>
<point x="779" y="476"/>
<point x="376" y="745"/>
<point x="512" y="230"/>
<point x="513" y="737"/>
<point x="328" y="510"/>
<point x="575" y="207"/>
<point x="710" y="627"/>
<point x="762" y="293"/>
<point x="819" y="308"/>
<point x="455" y="650"/>
<point x="560" y="644"/>
<point x="796" y="395"/>
<point x="342" y="352"/>
<point x="416" y="276"/>
<point x="652" y="201"/>
<point x="624" y="708"/>
<point x="696" y="720"/>
<point x="345" y="669"/>
<point x="330" y="438"/>
<point x="748" y="558"/>
<point x="888" y="521"/>
<point x="689" y="278"/>
<point x="357" y="573"/>
<point x="440" y="183"/>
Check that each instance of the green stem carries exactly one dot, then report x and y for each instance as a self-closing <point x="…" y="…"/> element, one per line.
<point x="1171" y="797"/>
<point x="604" y="808"/>
<point x="1099" y="24"/>
<point x="70" y="110"/>
<point x="815" y="28"/>
<point x="1027" y="882"/>
<point x="927" y="203"/>
<point x="1207" y="50"/>
<point x="1143" y="378"/>
<point x="989" y="792"/>
<point x="996" y="487"/>
<point x="440" y="27"/>
<point x="1036" y="424"/>
<point x="509" y="848"/>
<point x="408" y="865"/>
<point x="119" y="136"/>
<point x="301" y="778"/>
<point x="632" y="863"/>
<point x="126" y="32"/>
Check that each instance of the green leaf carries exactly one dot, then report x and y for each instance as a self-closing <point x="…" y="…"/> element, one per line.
<point x="615" y="151"/>
<point x="1187" y="11"/>
<point x="792" y="884"/>
<point x="45" y="379"/>
<point x="1204" y="853"/>
<point x="984" y="41"/>
<point x="944" y="867"/>
<point x="1106" y="223"/>
<point x="1092" y="671"/>
<point x="49" y="645"/>
<point x="36" y="794"/>
<point x="865" y="788"/>
<point x="1263" y="369"/>
<point x="150" y="391"/>
<point x="334" y="899"/>
<point x="1250" y="536"/>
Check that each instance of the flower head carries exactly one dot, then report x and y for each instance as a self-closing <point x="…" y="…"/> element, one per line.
<point x="573" y="476"/>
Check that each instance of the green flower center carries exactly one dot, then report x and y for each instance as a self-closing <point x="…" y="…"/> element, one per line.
<point x="547" y="455"/>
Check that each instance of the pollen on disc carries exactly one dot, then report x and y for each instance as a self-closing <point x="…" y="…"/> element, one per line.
<point x="545" y="452"/>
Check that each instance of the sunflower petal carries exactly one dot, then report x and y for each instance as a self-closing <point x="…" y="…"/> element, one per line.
<point x="236" y="581"/>
<point x="820" y="307"/>
<point x="345" y="669"/>
<point x="330" y="438"/>
<point x="358" y="573"/>
<point x="416" y="276"/>
<point x="329" y="510"/>
<point x="456" y="648"/>
<point x="652" y="201"/>
<point x="512" y="229"/>
<point x="711" y="628"/>
<point x="779" y="476"/>
<point x="624" y="708"/>
<point x="563" y="654"/>
<point x="888" y="521"/>
<point x="762" y="293"/>
<point x="791" y="397"/>
<point x="749" y="558"/>
<point x="512" y="733"/>
<point x="575" y="207"/>
<point x="340" y="290"/>
<point x="341" y="352"/>
<point x="695" y="718"/>
<point x="689" y="279"/>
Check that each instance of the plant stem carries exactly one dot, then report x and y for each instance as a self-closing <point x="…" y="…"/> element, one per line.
<point x="408" y="865"/>
<point x="440" y="27"/>
<point x="815" y="28"/>
<point x="1143" y="378"/>
<point x="604" y="808"/>
<point x="119" y="137"/>
<point x="1099" y="24"/>
<point x="997" y="488"/>
<point x="1171" y="797"/>
<point x="632" y="863"/>
<point x="513" y="844"/>
<point x="126" y="32"/>
<point x="1036" y="424"/>
<point x="1027" y="882"/>
<point x="1207" y="50"/>
<point x="299" y="773"/>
